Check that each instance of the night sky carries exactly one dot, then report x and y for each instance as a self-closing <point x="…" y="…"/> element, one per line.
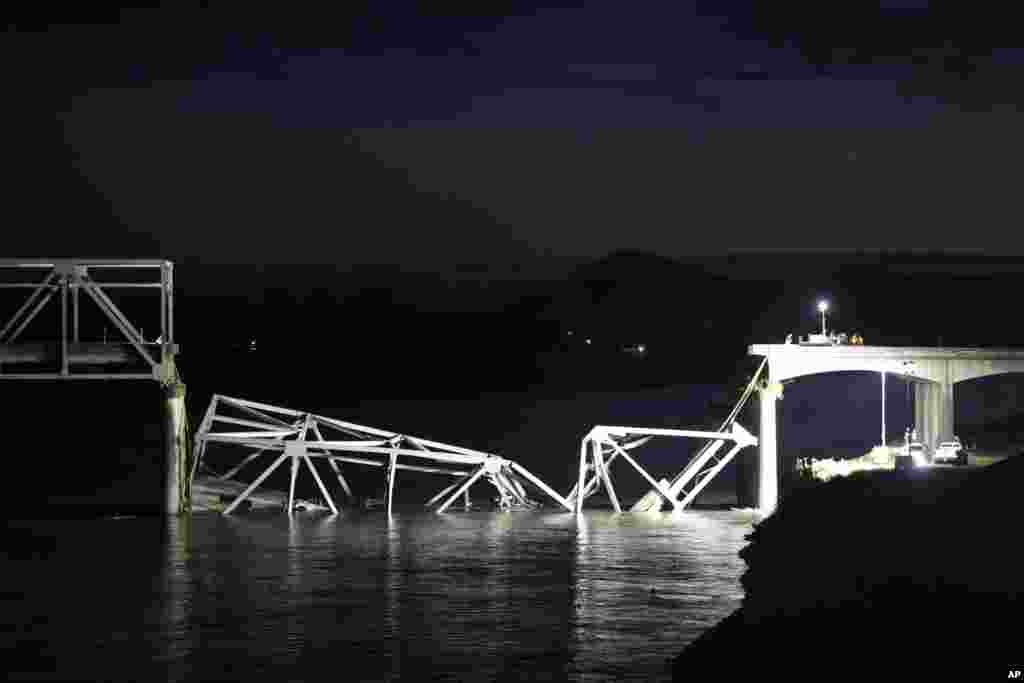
<point x="470" y="188"/>
<point x="550" y="135"/>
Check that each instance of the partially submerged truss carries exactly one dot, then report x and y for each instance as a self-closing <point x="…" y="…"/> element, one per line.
<point x="299" y="438"/>
<point x="603" y="444"/>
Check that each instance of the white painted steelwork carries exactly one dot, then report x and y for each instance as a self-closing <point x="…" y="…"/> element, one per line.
<point x="603" y="444"/>
<point x="61" y="354"/>
<point x="64" y="355"/>
<point x="298" y="437"/>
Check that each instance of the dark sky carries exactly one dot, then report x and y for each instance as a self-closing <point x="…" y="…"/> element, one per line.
<point x="524" y="142"/>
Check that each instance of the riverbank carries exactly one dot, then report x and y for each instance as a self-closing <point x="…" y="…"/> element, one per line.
<point x="880" y="571"/>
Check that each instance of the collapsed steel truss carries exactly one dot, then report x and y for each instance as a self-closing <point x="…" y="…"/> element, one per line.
<point x="602" y="445"/>
<point x="64" y="355"/>
<point x="300" y="437"/>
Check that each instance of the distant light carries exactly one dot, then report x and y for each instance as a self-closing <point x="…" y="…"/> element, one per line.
<point x="588" y="341"/>
<point x="641" y="348"/>
<point x="570" y="333"/>
<point x="822" y="306"/>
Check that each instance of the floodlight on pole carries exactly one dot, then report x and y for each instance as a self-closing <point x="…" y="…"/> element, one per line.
<point x="823" y="306"/>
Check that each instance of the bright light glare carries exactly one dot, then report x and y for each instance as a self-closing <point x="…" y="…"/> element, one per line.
<point x="822" y="306"/>
<point x="641" y="348"/>
<point x="588" y="341"/>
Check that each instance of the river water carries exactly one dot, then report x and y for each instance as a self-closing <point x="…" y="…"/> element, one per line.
<point x="465" y="596"/>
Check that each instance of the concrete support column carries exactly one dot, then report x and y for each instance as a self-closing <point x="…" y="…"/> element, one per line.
<point x="768" y="462"/>
<point x="177" y="497"/>
<point x="924" y="411"/>
<point x="920" y="409"/>
<point x="933" y="412"/>
<point x="947" y="413"/>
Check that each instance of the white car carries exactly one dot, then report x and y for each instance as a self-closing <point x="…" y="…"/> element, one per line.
<point x="917" y="452"/>
<point x="948" y="451"/>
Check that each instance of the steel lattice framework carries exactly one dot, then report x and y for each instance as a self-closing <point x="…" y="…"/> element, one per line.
<point x="603" y="444"/>
<point x="300" y="437"/>
<point x="65" y="355"/>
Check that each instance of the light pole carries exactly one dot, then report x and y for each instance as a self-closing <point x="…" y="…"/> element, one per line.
<point x="823" y="306"/>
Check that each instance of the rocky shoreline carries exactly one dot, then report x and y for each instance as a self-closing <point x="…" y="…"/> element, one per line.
<point x="880" y="572"/>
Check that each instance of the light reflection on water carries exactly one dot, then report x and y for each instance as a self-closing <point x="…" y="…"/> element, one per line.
<point x="463" y="596"/>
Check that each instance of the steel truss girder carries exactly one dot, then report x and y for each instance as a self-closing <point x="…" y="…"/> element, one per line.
<point x="599" y="448"/>
<point x="72" y="276"/>
<point x="300" y="437"/>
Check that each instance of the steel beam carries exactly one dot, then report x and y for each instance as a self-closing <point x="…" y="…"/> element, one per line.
<point x="64" y="327"/>
<point x="600" y="465"/>
<point x="320" y="484"/>
<point x="112" y="310"/>
<point x="133" y="340"/>
<point x="73" y="286"/>
<point x="441" y="494"/>
<point x="230" y="400"/>
<point x="105" y="263"/>
<point x="74" y="313"/>
<point x="519" y="469"/>
<point x="170" y="301"/>
<point x="710" y="474"/>
<point x="341" y="478"/>
<point x="649" y="478"/>
<point x="247" y="423"/>
<point x="31" y="316"/>
<point x="238" y="468"/>
<point x="465" y="487"/>
<point x="391" y="480"/>
<point x="28" y="303"/>
<point x="57" y="375"/>
<point x="291" y="487"/>
<point x="580" y="482"/>
<point x="255" y="413"/>
<point x="252" y="487"/>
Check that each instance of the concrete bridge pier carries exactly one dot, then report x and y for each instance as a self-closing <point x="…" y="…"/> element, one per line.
<point x="177" y="497"/>
<point x="757" y="476"/>
<point x="768" y="457"/>
<point x="933" y="412"/>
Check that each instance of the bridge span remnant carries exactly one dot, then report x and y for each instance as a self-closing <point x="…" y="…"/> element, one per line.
<point x="603" y="444"/>
<point x="299" y="437"/>
<point x="933" y="371"/>
<point x="64" y="352"/>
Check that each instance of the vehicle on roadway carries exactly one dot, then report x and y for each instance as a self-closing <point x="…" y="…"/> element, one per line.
<point x="913" y="454"/>
<point x="831" y="339"/>
<point x="950" y="451"/>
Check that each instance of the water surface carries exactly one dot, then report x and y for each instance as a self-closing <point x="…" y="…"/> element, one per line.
<point x="466" y="596"/>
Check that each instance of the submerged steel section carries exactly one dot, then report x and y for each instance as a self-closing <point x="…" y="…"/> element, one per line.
<point x="603" y="444"/>
<point x="61" y="353"/>
<point x="302" y="438"/>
